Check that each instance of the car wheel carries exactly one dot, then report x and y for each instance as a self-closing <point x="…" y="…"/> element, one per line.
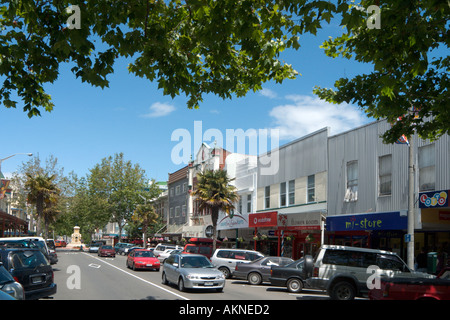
<point x="226" y="272"/>
<point x="164" y="279"/>
<point x="254" y="278"/>
<point x="294" y="285"/>
<point x="134" y="267"/>
<point x="181" y="285"/>
<point x="343" y="290"/>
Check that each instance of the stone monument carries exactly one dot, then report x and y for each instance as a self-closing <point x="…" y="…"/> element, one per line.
<point x="76" y="238"/>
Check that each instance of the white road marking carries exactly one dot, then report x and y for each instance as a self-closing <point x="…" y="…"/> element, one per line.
<point x="148" y="282"/>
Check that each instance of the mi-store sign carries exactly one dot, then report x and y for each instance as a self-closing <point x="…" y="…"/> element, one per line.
<point x="263" y="219"/>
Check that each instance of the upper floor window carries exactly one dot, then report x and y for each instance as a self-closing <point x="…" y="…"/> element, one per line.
<point x="385" y="175"/>
<point x="351" y="193"/>
<point x="283" y="194"/>
<point x="311" y="188"/>
<point x="267" y="197"/>
<point x="427" y="174"/>
<point x="291" y="192"/>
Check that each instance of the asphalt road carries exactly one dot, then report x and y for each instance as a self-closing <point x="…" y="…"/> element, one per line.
<point x="85" y="276"/>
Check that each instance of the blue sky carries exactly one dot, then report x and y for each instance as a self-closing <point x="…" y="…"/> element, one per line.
<point x="134" y="117"/>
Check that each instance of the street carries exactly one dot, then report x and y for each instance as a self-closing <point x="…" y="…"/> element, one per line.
<point x="85" y="276"/>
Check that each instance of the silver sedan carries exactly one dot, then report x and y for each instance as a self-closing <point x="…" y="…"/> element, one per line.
<point x="192" y="271"/>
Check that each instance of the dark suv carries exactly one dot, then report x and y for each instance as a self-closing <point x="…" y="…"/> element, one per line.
<point x="31" y="269"/>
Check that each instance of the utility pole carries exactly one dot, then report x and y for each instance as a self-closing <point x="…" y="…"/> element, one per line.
<point x="411" y="214"/>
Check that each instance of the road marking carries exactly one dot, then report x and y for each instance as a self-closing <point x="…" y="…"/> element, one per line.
<point x="151" y="283"/>
<point x="93" y="265"/>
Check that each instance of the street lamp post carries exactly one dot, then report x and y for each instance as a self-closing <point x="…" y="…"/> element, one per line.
<point x="15" y="154"/>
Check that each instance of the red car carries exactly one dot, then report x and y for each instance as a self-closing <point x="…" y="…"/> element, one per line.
<point x="106" y="251"/>
<point x="60" y="243"/>
<point x="142" y="259"/>
<point x="414" y="289"/>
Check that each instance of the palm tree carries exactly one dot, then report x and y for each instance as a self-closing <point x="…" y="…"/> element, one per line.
<point x="214" y="192"/>
<point x="44" y="194"/>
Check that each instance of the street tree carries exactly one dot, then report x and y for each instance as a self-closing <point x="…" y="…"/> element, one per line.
<point x="189" y="47"/>
<point x="214" y="193"/>
<point x="407" y="42"/>
<point x="118" y="182"/>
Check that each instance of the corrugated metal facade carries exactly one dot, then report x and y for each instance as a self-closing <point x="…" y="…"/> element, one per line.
<point x="364" y="145"/>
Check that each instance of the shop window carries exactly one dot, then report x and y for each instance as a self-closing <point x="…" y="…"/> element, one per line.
<point x="311" y="188"/>
<point x="351" y="194"/>
<point x="267" y="197"/>
<point x="385" y="175"/>
<point x="283" y="194"/>
<point x="427" y="175"/>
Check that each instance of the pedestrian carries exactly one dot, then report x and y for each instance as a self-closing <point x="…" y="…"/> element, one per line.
<point x="421" y="261"/>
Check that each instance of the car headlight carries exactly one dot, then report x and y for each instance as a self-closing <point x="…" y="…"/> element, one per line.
<point x="221" y="276"/>
<point x="192" y="277"/>
<point x="15" y="290"/>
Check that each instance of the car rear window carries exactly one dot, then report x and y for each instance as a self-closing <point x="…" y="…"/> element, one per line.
<point x="27" y="259"/>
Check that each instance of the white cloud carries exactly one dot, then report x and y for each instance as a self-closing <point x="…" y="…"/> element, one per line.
<point x="308" y="114"/>
<point x="268" y="93"/>
<point x="159" y="109"/>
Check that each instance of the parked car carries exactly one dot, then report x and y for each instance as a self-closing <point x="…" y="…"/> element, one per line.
<point x="123" y="249"/>
<point x="400" y="288"/>
<point x="292" y="276"/>
<point x="10" y="286"/>
<point x="225" y="259"/>
<point x="164" y="255"/>
<point x="193" y="271"/>
<point x="31" y="269"/>
<point x="27" y="242"/>
<point x="94" y="246"/>
<point x="106" y="251"/>
<point x="52" y="255"/>
<point x="343" y="271"/>
<point x="142" y="259"/>
<point x="119" y="245"/>
<point x="160" y="248"/>
<point x="258" y="271"/>
<point x="60" y="243"/>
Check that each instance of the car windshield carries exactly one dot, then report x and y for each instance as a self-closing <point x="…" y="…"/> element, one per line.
<point x="295" y="263"/>
<point x="28" y="259"/>
<point x="5" y="276"/>
<point x="107" y="247"/>
<point x="195" y="262"/>
<point x="144" y="254"/>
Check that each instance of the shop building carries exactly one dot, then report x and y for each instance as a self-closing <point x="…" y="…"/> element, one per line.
<point x="292" y="200"/>
<point x="368" y="190"/>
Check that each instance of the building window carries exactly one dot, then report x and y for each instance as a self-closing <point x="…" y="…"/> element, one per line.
<point x="385" y="175"/>
<point x="267" y="197"/>
<point x="249" y="203"/>
<point x="171" y="192"/>
<point x="427" y="174"/>
<point x="185" y="187"/>
<point x="240" y="204"/>
<point x="177" y="190"/>
<point x="177" y="211"/>
<point x="351" y="194"/>
<point x="183" y="210"/>
<point x="171" y="212"/>
<point x="291" y="192"/>
<point x="311" y="188"/>
<point x="283" y="194"/>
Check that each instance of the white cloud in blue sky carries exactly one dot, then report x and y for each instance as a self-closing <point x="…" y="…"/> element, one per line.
<point x="159" y="109"/>
<point x="305" y="114"/>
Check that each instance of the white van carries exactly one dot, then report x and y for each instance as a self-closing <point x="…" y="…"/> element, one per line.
<point x="160" y="248"/>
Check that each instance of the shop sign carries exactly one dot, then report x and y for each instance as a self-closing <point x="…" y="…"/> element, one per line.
<point x="263" y="219"/>
<point x="434" y="199"/>
<point x="444" y="215"/>
<point x="300" y="221"/>
<point x="363" y="222"/>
